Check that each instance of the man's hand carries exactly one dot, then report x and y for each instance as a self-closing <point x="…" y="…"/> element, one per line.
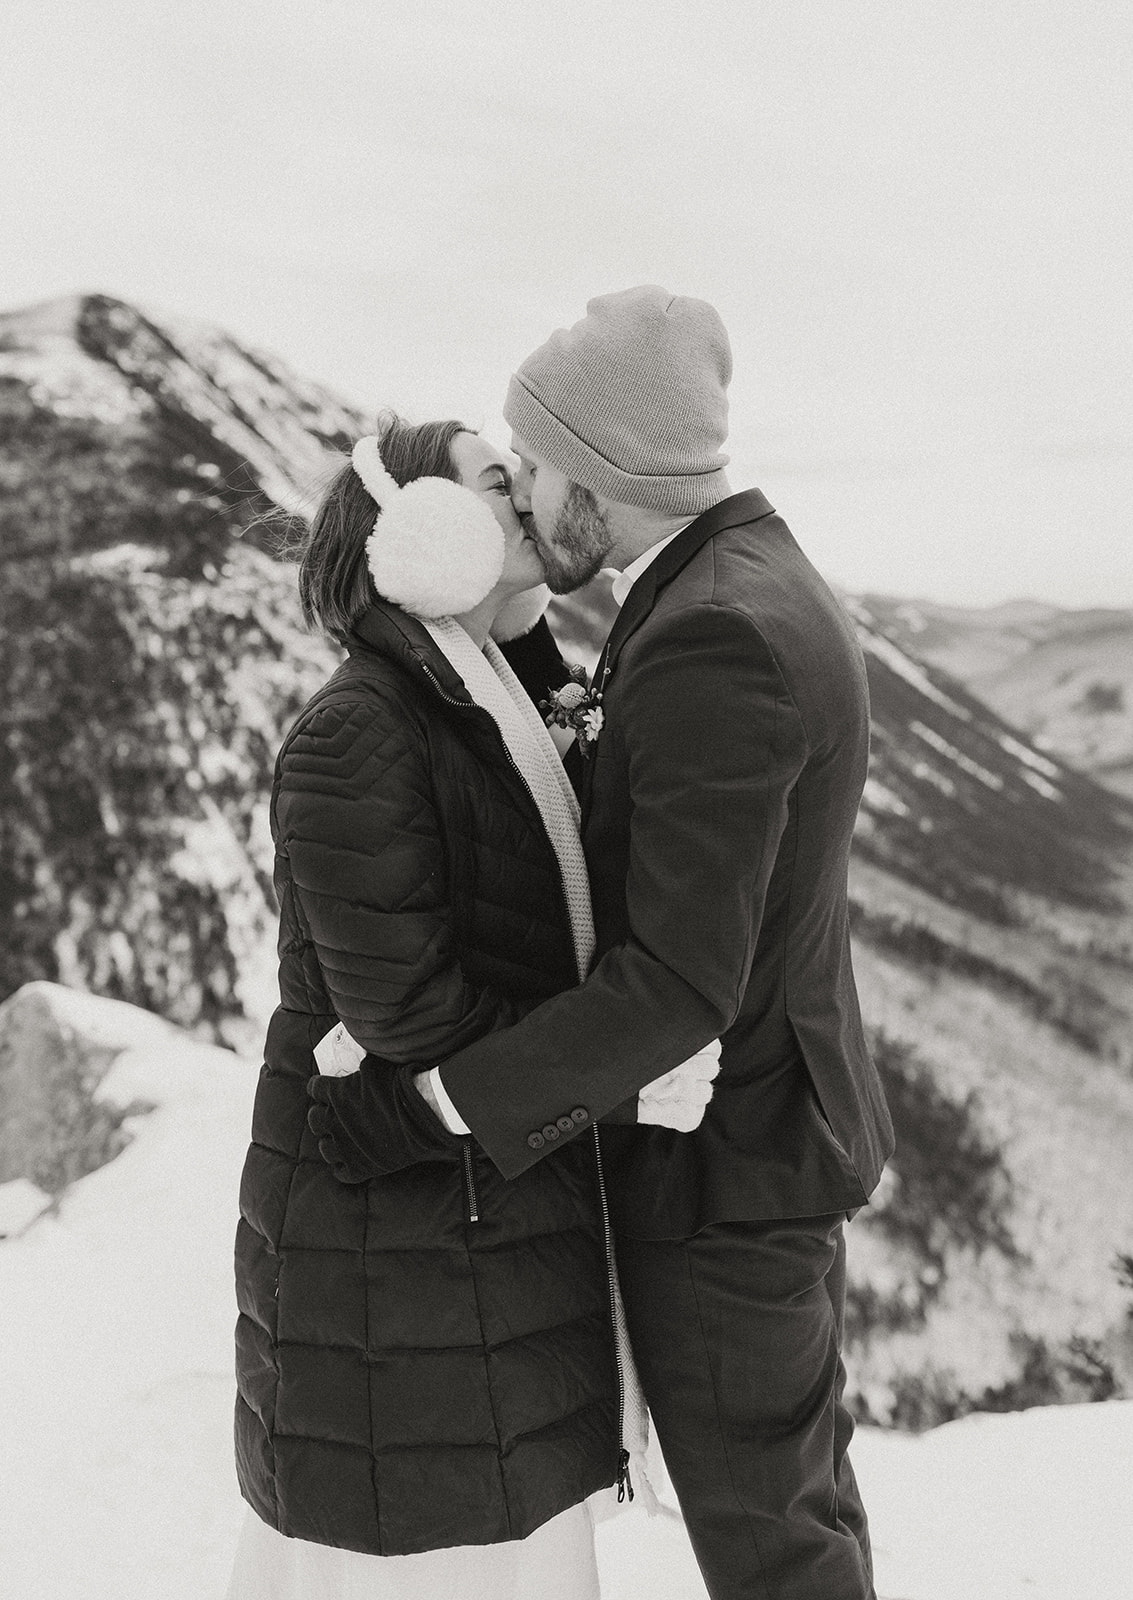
<point x="677" y="1099"/>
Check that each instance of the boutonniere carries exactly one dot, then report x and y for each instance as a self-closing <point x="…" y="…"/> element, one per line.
<point x="576" y="705"/>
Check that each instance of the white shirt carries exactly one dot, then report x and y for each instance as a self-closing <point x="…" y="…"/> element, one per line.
<point x="626" y="579"/>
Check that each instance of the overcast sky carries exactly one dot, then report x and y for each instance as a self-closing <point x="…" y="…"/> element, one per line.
<point x="915" y="217"/>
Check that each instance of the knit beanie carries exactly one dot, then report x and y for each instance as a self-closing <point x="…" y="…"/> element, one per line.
<point x="631" y="402"/>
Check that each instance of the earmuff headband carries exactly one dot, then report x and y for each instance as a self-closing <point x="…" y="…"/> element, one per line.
<point x="436" y="549"/>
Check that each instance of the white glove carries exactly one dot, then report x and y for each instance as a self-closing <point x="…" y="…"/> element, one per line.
<point x="677" y="1099"/>
<point x="337" y="1055"/>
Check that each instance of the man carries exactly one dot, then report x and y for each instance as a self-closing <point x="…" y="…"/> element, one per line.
<point x="718" y="807"/>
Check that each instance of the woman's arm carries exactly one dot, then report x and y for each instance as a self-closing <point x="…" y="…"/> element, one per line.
<point x="354" y="815"/>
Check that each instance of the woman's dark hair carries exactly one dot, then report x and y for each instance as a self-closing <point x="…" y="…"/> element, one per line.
<point x="335" y="586"/>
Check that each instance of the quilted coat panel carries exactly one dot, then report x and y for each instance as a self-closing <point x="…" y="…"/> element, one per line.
<point x="408" y="1378"/>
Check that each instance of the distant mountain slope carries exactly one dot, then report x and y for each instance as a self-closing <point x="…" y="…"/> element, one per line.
<point x="151" y="656"/>
<point x="1065" y="678"/>
<point x="972" y="811"/>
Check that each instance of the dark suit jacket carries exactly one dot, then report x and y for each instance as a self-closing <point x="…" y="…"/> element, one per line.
<point x="719" y="806"/>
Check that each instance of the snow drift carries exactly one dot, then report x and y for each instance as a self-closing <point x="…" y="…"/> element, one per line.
<point x="116" y="1389"/>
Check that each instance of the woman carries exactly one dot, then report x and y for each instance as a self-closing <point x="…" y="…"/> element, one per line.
<point x="426" y="1362"/>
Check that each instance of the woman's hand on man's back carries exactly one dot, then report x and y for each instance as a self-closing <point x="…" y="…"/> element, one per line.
<point x="678" y="1098"/>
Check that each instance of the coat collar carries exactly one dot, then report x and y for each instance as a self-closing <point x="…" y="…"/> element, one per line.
<point x="750" y="506"/>
<point x="391" y="632"/>
<point x="386" y="631"/>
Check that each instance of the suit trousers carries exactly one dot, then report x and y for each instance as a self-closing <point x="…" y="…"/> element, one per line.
<point x="737" y="1333"/>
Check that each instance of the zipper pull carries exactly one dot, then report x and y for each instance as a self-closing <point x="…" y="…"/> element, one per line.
<point x="625" y="1482"/>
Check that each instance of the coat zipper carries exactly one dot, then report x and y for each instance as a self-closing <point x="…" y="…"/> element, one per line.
<point x="470" y="1183"/>
<point x="470" y="705"/>
<point x="624" y="1481"/>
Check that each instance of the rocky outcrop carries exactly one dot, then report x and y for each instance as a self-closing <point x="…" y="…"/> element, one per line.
<point x="55" y="1049"/>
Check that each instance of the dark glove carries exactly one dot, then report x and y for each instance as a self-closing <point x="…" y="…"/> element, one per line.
<point x="374" y="1122"/>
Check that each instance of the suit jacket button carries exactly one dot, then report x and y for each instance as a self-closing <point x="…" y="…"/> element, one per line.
<point x="550" y="1131"/>
<point x="564" y="1124"/>
<point x="536" y="1141"/>
<point x="580" y="1115"/>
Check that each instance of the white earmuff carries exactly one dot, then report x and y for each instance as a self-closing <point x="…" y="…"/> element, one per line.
<point x="436" y="549"/>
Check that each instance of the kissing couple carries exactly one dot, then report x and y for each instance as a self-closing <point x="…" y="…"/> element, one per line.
<point x="567" y="1099"/>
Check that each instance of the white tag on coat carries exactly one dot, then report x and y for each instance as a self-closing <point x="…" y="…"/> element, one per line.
<point x="337" y="1055"/>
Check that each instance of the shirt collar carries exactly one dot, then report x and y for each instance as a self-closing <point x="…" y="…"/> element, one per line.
<point x="625" y="580"/>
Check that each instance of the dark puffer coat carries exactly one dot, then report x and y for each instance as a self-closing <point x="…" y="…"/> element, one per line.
<point x="425" y="1359"/>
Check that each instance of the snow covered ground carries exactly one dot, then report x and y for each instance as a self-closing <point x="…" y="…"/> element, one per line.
<point x="116" y="1396"/>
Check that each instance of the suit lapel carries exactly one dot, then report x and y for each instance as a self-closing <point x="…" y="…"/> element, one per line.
<point x="730" y="513"/>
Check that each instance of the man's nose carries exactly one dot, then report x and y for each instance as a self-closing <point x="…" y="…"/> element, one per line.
<point x="521" y="491"/>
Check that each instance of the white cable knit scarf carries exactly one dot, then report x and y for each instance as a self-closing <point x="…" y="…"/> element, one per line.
<point x="495" y="687"/>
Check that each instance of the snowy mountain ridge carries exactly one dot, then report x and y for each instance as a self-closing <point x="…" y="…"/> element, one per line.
<point x="1064" y="677"/>
<point x="97" y="358"/>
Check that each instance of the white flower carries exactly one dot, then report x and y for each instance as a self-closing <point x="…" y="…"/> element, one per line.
<point x="592" y="722"/>
<point x="570" y="696"/>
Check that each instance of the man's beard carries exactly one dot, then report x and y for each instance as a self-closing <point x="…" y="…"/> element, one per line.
<point x="579" y="543"/>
